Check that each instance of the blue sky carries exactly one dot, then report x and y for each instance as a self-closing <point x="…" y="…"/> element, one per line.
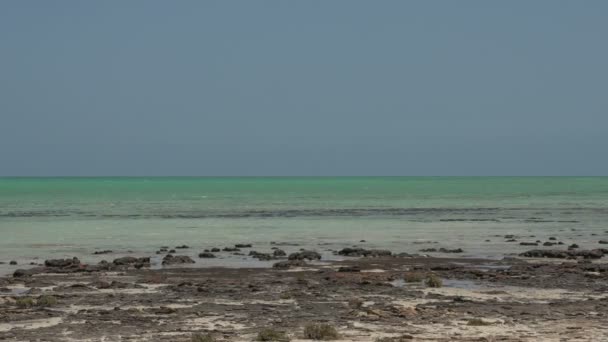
<point x="303" y="88"/>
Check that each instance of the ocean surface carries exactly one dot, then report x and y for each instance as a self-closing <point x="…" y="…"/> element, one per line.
<point x="64" y="217"/>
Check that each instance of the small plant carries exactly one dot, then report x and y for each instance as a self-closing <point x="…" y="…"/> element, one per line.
<point x="477" y="322"/>
<point x="320" y="331"/>
<point x="413" y="277"/>
<point x="433" y="281"/>
<point x="203" y="338"/>
<point x="270" y="334"/>
<point x="46" y="301"/>
<point x="25" y="302"/>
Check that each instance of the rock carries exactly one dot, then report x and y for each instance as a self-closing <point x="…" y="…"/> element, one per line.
<point x="444" y="250"/>
<point x="62" y="262"/>
<point x="405" y="255"/>
<point x="349" y="269"/>
<point x="358" y="252"/>
<point x="242" y="245"/>
<point x="169" y="259"/>
<point x="129" y="260"/>
<point x="305" y="255"/>
<point x="283" y="265"/>
<point x="20" y="273"/>
<point x="261" y="256"/>
<point x="12" y="262"/>
<point x="172" y="251"/>
<point x="603" y="242"/>
<point x="511" y="240"/>
<point x="549" y="243"/>
<point x="529" y="243"/>
<point x="567" y="254"/>
<point x="573" y="246"/>
<point x="215" y="250"/>
<point x="279" y="253"/>
<point x="182" y="247"/>
<point x="107" y="251"/>
<point x="429" y="250"/>
<point x="552" y="238"/>
<point x="230" y="249"/>
<point x="206" y="255"/>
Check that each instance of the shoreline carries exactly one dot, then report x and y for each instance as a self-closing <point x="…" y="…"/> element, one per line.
<point x="365" y="298"/>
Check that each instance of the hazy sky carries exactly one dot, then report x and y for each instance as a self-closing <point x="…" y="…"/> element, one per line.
<point x="304" y="87"/>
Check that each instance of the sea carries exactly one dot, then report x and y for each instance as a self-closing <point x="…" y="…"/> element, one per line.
<point x="42" y="218"/>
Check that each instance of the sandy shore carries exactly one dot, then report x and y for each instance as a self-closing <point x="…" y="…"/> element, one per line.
<point x="364" y="298"/>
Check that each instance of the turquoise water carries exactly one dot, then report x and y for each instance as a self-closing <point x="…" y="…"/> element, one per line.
<point x="42" y="217"/>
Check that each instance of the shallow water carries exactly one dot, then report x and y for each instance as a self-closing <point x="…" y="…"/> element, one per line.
<point x="65" y="217"/>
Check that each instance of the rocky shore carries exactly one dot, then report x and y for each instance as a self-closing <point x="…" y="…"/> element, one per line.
<point x="370" y="295"/>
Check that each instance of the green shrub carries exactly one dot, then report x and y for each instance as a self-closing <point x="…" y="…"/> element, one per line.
<point x="433" y="281"/>
<point x="203" y="338"/>
<point x="46" y="301"/>
<point x="269" y="334"/>
<point x="320" y="331"/>
<point x="25" y="302"/>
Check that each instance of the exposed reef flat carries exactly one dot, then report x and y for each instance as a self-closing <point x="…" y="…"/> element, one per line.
<point x="371" y="296"/>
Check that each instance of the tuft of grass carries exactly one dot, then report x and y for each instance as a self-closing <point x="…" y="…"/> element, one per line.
<point x="269" y="334"/>
<point x="203" y="338"/>
<point x="46" y="301"/>
<point x="320" y="331"/>
<point x="413" y="277"/>
<point x="25" y="302"/>
<point x="477" y="322"/>
<point x="433" y="281"/>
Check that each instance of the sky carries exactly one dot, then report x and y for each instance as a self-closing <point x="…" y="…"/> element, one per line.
<point x="308" y="88"/>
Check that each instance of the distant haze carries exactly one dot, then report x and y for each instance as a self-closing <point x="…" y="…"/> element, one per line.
<point x="303" y="88"/>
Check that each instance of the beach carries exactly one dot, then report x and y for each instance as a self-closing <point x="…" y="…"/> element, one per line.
<point x="178" y="259"/>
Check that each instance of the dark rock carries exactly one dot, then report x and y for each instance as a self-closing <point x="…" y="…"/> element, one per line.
<point x="172" y="251"/>
<point x="429" y="250"/>
<point x="206" y="255"/>
<point x="129" y="260"/>
<point x="529" y="243"/>
<point x="552" y="238"/>
<point x="349" y="269"/>
<point x="279" y="253"/>
<point x="182" y="247"/>
<point x="169" y="259"/>
<point x="457" y="250"/>
<point x="358" y="252"/>
<point x="511" y="240"/>
<point x="230" y="249"/>
<point x="107" y="251"/>
<point x="215" y="250"/>
<point x="27" y="273"/>
<point x="573" y="246"/>
<point x="603" y="242"/>
<point x="62" y="262"/>
<point x="565" y="254"/>
<point x="242" y="245"/>
<point x="305" y="255"/>
<point x="549" y="243"/>
<point x="261" y="256"/>
<point x="12" y="262"/>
